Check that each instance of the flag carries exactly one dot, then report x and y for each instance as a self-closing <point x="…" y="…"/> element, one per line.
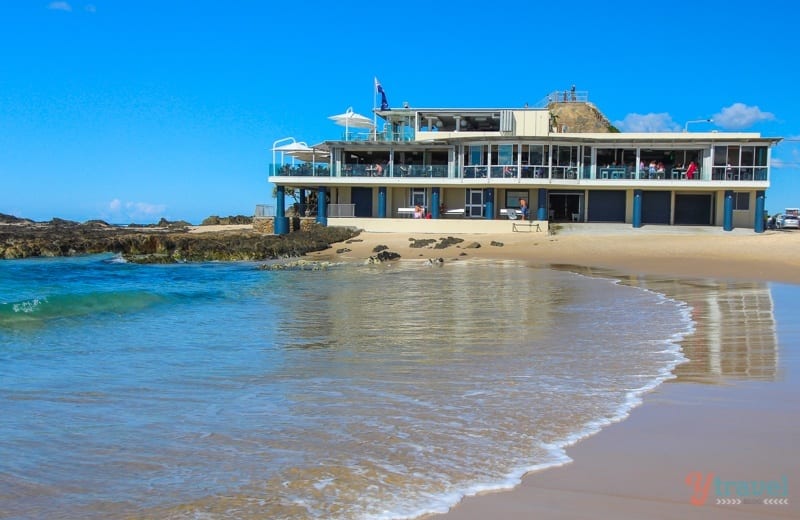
<point x="379" y="89"/>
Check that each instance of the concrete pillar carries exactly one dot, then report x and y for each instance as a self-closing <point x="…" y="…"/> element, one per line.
<point x="541" y="205"/>
<point x="727" y="217"/>
<point x="759" y="222"/>
<point x="281" y="222"/>
<point x="637" y="208"/>
<point x="382" y="202"/>
<point x="322" y="206"/>
<point x="435" y="203"/>
<point x="488" y="203"/>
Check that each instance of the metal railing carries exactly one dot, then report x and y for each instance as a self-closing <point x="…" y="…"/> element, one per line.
<point x="342" y="210"/>
<point x="301" y="170"/>
<point x="564" y="96"/>
<point x="513" y="171"/>
<point x="264" y="210"/>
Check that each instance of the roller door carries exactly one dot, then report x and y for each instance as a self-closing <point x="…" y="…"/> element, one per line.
<point x="655" y="207"/>
<point x="693" y="210"/>
<point x="606" y="206"/>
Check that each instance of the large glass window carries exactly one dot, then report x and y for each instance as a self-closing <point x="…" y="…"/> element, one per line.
<point x="565" y="162"/>
<point x="587" y="162"/>
<point x="503" y="161"/>
<point x="538" y="154"/>
<point x="475" y="161"/>
<point x="475" y="154"/>
<point x="535" y="159"/>
<point x="733" y="162"/>
<point x="505" y="154"/>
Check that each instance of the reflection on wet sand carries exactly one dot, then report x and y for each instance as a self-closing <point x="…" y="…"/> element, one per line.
<point x="735" y="335"/>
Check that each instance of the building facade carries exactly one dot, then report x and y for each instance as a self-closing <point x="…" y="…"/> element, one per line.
<point x="564" y="158"/>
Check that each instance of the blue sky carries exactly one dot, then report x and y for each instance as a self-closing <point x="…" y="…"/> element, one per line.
<point x="130" y="111"/>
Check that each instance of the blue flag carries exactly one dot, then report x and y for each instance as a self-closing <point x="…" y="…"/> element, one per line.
<point x="379" y="88"/>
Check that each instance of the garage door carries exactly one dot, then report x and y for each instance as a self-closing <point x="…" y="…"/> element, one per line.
<point x="693" y="210"/>
<point x="606" y="206"/>
<point x="655" y="207"/>
<point x="362" y="198"/>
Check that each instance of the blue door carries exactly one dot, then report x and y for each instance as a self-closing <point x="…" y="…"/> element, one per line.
<point x="362" y="198"/>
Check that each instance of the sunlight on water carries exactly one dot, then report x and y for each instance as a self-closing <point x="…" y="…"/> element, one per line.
<point x="219" y="390"/>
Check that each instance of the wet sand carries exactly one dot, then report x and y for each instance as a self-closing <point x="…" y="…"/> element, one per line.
<point x="731" y="413"/>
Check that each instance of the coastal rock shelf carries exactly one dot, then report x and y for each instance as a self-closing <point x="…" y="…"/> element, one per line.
<point x="164" y="243"/>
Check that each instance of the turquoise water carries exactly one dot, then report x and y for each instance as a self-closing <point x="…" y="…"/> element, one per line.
<point x="223" y="391"/>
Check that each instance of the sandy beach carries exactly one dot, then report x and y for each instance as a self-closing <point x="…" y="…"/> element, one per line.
<point x="724" y="429"/>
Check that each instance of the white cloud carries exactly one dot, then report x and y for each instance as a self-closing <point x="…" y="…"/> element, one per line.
<point x="90" y="8"/>
<point x="647" y="123"/>
<point x="59" y="6"/>
<point x="739" y="115"/>
<point x="777" y="163"/>
<point x="144" y="209"/>
<point x="117" y="211"/>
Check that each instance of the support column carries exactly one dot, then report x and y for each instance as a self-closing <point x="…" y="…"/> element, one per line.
<point x="322" y="206"/>
<point x="759" y="223"/>
<point x="382" y="202"/>
<point x="727" y="217"/>
<point x="488" y="203"/>
<point x="281" y="226"/>
<point x="637" y="208"/>
<point x="541" y="205"/>
<point x="435" y="203"/>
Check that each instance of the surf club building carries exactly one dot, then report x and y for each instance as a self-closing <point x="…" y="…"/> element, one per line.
<point x="467" y="169"/>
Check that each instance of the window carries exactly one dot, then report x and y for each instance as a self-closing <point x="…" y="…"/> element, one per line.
<point x="741" y="201"/>
<point x="418" y="197"/>
<point x="538" y="155"/>
<point x="475" y="154"/>
<point x="512" y="198"/>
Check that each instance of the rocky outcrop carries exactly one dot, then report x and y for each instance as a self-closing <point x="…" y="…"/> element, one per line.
<point x="579" y="117"/>
<point x="214" y="220"/>
<point x="167" y="243"/>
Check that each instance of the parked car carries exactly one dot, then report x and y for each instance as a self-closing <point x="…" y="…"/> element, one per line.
<point x="787" y="222"/>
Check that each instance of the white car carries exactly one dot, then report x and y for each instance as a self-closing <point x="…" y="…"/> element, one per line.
<point x="787" y="222"/>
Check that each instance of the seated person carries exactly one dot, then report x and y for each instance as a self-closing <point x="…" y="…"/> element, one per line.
<point x="419" y="212"/>
<point x="691" y="170"/>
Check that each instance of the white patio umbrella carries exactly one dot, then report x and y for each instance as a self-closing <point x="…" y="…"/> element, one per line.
<point x="293" y="147"/>
<point x="311" y="155"/>
<point x="352" y="119"/>
<point x="287" y="149"/>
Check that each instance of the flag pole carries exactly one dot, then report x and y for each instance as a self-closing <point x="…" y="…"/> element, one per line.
<point x="374" y="107"/>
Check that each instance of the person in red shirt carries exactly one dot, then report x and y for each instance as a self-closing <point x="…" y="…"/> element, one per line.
<point x="691" y="170"/>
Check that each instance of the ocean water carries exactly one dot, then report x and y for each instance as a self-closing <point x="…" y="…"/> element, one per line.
<point x="204" y="391"/>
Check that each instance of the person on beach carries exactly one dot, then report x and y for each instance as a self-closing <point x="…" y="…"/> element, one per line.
<point x="419" y="212"/>
<point x="523" y="208"/>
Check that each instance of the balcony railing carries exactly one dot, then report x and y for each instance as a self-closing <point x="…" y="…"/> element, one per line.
<point x="341" y="210"/>
<point x="263" y="210"/>
<point x="535" y="172"/>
